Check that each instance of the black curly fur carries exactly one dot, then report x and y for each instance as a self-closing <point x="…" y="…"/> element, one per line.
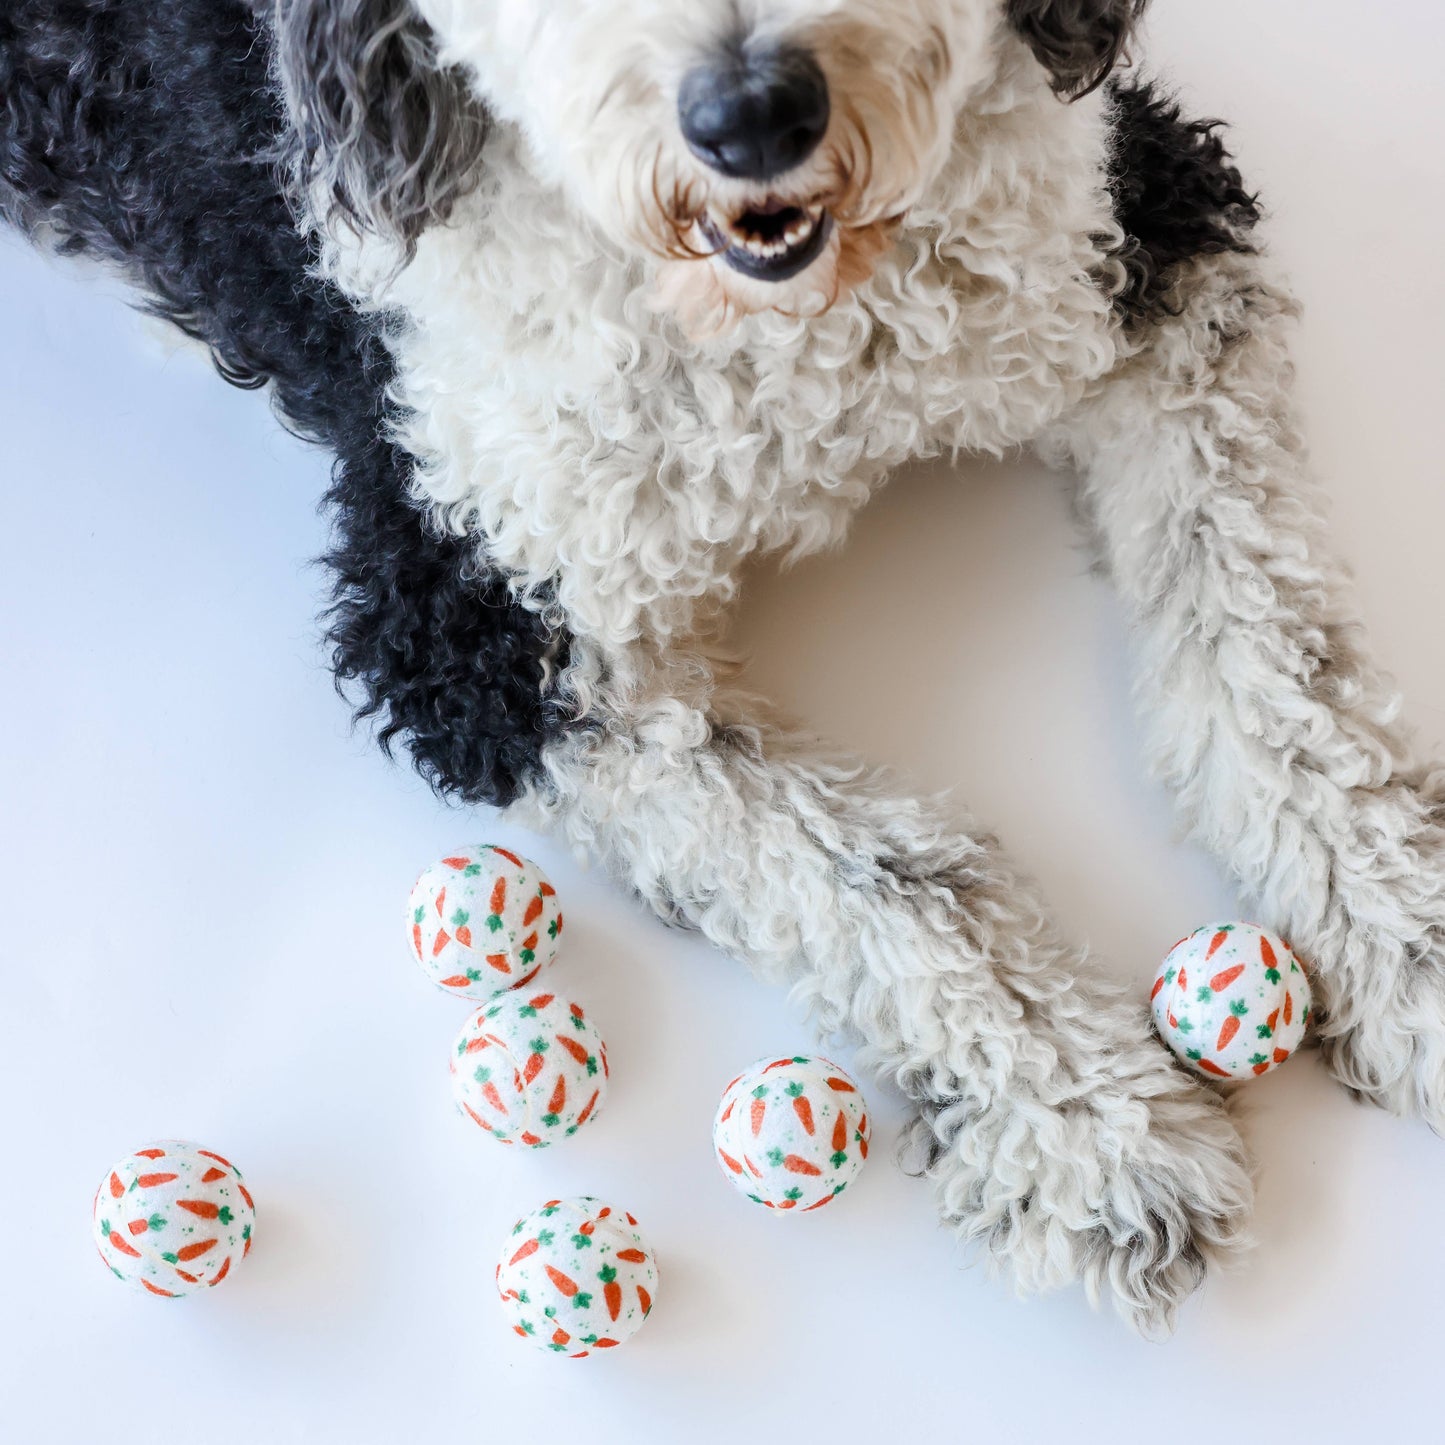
<point x="391" y="135"/>
<point x="144" y="132"/>
<point x="1077" y="41"/>
<point x="1177" y="194"/>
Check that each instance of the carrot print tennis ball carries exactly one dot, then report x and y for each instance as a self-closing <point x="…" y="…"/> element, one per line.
<point x="173" y="1219"/>
<point x="483" y="920"/>
<point x="576" y="1276"/>
<point x="1232" y="1001"/>
<point x="791" y="1133"/>
<point x="529" y="1068"/>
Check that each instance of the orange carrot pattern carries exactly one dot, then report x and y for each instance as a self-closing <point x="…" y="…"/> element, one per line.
<point x="802" y="1138"/>
<point x="481" y="918"/>
<point x="573" y="1277"/>
<point x="577" y="1051"/>
<point x="567" y="1285"/>
<point x="148" y="1222"/>
<point x="1244" y="1020"/>
<point x="801" y="1107"/>
<point x="533" y="1067"/>
<point x="759" y="1110"/>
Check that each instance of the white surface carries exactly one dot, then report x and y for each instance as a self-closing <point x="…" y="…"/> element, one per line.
<point x="202" y="873"/>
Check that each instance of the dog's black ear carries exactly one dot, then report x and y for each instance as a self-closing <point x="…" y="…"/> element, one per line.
<point x="1077" y="41"/>
<point x="386" y="138"/>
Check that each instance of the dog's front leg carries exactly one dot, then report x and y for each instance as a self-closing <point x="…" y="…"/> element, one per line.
<point x="1264" y="716"/>
<point x="1058" y="1131"/>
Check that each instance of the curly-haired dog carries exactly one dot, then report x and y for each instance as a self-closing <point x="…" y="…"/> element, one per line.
<point x="647" y="288"/>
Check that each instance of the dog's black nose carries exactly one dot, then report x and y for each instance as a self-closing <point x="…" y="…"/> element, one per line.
<point x="754" y="114"/>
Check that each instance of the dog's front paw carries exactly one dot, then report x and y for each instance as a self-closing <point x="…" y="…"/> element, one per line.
<point x="1378" y="959"/>
<point x="1383" y="1035"/>
<point x="1134" y="1185"/>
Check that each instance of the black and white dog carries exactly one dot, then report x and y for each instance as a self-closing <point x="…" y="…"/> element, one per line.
<point x="595" y="300"/>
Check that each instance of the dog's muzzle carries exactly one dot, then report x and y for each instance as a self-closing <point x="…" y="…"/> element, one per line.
<point x="755" y="114"/>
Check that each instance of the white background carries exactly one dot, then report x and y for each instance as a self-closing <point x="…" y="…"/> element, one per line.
<point x="202" y="872"/>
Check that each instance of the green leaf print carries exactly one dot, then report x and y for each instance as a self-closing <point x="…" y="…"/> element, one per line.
<point x="1185" y="1027"/>
<point x="582" y="1300"/>
<point x="775" y="1158"/>
<point x="1239" y="1008"/>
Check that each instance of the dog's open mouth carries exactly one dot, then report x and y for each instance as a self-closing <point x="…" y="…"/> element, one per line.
<point x="772" y="241"/>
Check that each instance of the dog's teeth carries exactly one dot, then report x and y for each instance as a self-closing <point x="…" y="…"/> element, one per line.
<point x="770" y="247"/>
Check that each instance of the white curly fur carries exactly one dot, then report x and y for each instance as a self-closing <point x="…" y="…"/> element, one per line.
<point x="621" y="462"/>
